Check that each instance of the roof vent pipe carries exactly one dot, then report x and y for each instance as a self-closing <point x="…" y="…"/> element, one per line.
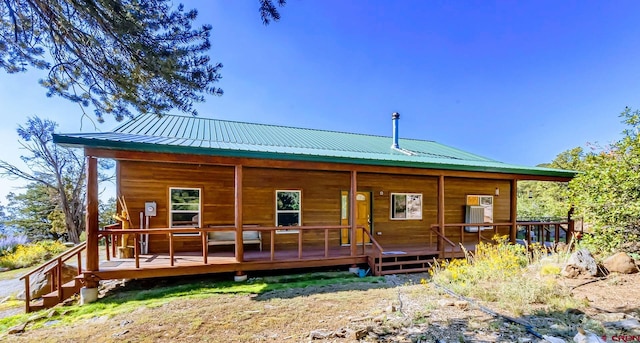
<point x="395" y="117"/>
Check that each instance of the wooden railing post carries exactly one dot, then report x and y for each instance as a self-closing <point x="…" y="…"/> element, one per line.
<point x="326" y="243"/>
<point x="27" y="295"/>
<point x="272" y="244"/>
<point x="171" y="258"/>
<point x="205" y="253"/>
<point x="300" y="244"/>
<point x="59" y="279"/>
<point x="570" y="226"/>
<point x="106" y="246"/>
<point x="79" y="262"/>
<point x="136" y="249"/>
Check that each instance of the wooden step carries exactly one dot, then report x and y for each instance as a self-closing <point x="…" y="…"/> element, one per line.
<point x="68" y="290"/>
<point x="36" y="305"/>
<point x="404" y="271"/>
<point x="401" y="263"/>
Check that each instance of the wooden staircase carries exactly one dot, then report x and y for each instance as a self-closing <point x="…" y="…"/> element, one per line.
<point x="402" y="263"/>
<point x="59" y="291"/>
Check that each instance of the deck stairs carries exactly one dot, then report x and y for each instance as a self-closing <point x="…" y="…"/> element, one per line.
<point x="52" y="299"/>
<point x="53" y="269"/>
<point x="402" y="263"/>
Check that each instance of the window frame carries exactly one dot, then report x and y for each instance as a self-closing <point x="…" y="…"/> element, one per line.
<point x="298" y="211"/>
<point x="477" y="200"/>
<point x="392" y="207"/>
<point x="198" y="212"/>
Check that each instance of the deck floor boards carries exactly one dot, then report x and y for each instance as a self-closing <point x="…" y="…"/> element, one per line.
<point x="222" y="259"/>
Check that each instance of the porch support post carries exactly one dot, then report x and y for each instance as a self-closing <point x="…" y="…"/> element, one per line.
<point x="441" y="214"/>
<point x="352" y="210"/>
<point x="89" y="292"/>
<point x="92" y="214"/>
<point x="238" y="214"/>
<point x="513" y="214"/>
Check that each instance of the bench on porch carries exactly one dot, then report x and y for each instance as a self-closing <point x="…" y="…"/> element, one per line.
<point x="229" y="237"/>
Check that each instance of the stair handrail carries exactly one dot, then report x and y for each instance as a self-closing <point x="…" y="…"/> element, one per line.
<point x="373" y="241"/>
<point x="56" y="284"/>
<point x="63" y="255"/>
<point x="376" y="269"/>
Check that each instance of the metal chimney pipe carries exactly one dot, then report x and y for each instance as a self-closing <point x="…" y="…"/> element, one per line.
<point x="395" y="118"/>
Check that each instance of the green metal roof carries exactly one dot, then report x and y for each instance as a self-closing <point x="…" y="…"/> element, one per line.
<point x="203" y="136"/>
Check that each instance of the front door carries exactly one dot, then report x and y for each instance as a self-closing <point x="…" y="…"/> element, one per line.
<point x="363" y="217"/>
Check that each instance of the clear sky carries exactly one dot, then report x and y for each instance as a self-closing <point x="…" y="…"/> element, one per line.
<point x="517" y="81"/>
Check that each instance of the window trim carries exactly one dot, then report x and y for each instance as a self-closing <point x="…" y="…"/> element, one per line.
<point x="299" y="211"/>
<point x="172" y="211"/>
<point x="392" y="206"/>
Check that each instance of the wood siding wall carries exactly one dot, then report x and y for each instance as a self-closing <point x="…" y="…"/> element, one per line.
<point x="321" y="191"/>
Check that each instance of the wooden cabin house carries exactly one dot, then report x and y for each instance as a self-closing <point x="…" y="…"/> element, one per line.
<point x="209" y="196"/>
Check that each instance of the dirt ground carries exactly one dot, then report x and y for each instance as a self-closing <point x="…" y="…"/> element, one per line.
<point x="398" y="310"/>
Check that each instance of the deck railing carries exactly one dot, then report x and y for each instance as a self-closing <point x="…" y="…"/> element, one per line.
<point x="113" y="236"/>
<point x="548" y="233"/>
<point x="53" y="270"/>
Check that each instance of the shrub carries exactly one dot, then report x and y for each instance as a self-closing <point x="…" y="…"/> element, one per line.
<point x="498" y="273"/>
<point x="26" y="255"/>
<point x="9" y="243"/>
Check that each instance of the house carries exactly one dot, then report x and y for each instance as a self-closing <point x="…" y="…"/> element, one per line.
<point x="222" y="196"/>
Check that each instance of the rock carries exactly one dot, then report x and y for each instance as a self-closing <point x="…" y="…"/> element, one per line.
<point x="39" y="284"/>
<point x="630" y="324"/>
<point x="120" y="334"/>
<point x="359" y="334"/>
<point x="51" y="322"/>
<point x="461" y="304"/>
<point x="551" y="339"/>
<point x="445" y="302"/>
<point x="620" y="263"/>
<point x="320" y="334"/>
<point x="586" y="337"/>
<point x="580" y="263"/>
<point x="18" y="328"/>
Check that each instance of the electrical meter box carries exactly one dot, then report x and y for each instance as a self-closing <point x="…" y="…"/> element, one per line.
<point x="150" y="209"/>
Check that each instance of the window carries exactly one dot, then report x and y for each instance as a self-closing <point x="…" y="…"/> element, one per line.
<point x="406" y="206"/>
<point x="288" y="209"/>
<point x="184" y="208"/>
<point x="486" y="202"/>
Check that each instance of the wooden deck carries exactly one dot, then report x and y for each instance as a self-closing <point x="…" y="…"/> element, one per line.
<point x="222" y="260"/>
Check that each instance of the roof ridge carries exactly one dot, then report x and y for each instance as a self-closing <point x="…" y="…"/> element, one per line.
<point x="273" y="125"/>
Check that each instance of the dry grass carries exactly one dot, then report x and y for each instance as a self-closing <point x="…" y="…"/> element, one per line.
<point x="507" y="275"/>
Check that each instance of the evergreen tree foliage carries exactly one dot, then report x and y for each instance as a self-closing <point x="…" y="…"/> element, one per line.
<point x="30" y="212"/>
<point x="545" y="200"/>
<point x="607" y="193"/>
<point x="114" y="55"/>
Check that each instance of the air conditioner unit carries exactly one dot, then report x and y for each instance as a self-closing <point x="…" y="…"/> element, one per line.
<point x="474" y="214"/>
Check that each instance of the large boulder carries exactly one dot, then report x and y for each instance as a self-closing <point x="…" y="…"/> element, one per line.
<point x="580" y="264"/>
<point x="620" y="263"/>
<point x="39" y="283"/>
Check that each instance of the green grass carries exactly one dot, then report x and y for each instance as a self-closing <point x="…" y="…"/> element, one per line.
<point x="129" y="300"/>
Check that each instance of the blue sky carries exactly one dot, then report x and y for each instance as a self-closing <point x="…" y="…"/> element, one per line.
<point x="517" y="81"/>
